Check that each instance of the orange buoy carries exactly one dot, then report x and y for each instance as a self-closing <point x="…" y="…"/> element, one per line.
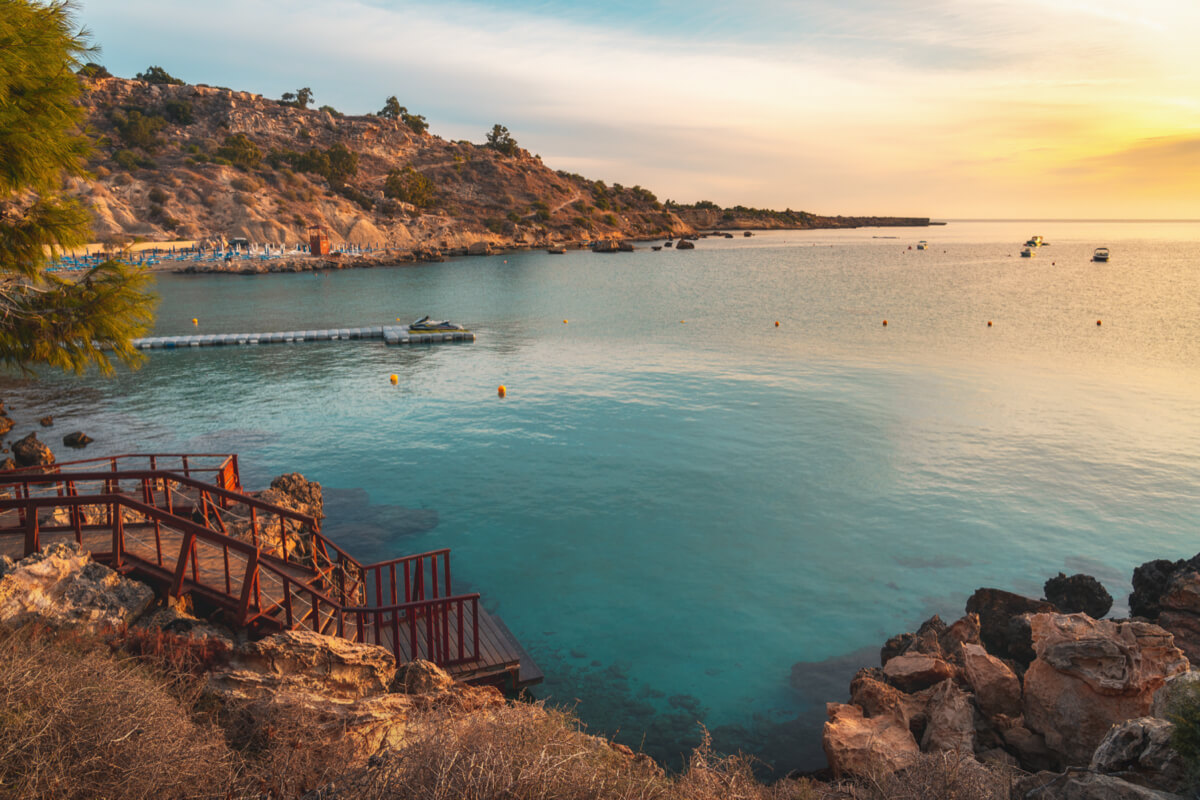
<point x="776" y="323"/>
<point x="1097" y="322"/>
<point x="395" y="379"/>
<point x="195" y="321"/>
<point x="885" y="323"/>
<point x="564" y="322"/>
<point x="682" y="322"/>
<point x="989" y="323"/>
<point x="502" y="390"/>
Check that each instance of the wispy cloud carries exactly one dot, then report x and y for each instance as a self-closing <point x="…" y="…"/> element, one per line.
<point x="832" y="107"/>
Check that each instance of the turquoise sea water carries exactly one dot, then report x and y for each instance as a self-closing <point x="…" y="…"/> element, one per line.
<point x="678" y="505"/>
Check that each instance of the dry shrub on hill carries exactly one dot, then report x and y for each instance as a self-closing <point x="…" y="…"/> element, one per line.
<point x="76" y="723"/>
<point x="533" y="753"/>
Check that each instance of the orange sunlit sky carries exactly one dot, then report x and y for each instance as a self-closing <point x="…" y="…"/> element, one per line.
<point x="963" y="108"/>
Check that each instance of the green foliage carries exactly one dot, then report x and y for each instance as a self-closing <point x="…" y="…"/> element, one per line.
<point x="241" y="151"/>
<point x="157" y="195"/>
<point x="45" y="319"/>
<point x="179" y="111"/>
<point x="137" y="129"/>
<point x="343" y="163"/>
<point x="297" y="99"/>
<point x="513" y="217"/>
<point x="350" y="193"/>
<point x="92" y="71"/>
<point x="1183" y="704"/>
<point x="602" y="203"/>
<point x="609" y="219"/>
<point x="501" y="141"/>
<point x="336" y="165"/>
<point x="391" y="109"/>
<point x="706" y="205"/>
<point x="158" y="75"/>
<point x="129" y="160"/>
<point x="331" y="111"/>
<point x="494" y="225"/>
<point x="409" y="186"/>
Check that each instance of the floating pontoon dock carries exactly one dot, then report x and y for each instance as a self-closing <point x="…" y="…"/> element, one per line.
<point x="391" y="334"/>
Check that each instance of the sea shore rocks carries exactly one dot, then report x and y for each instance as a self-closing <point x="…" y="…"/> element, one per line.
<point x="31" y="451"/>
<point x="1057" y="691"/>
<point x="61" y="587"/>
<point x="1078" y="594"/>
<point x="77" y="439"/>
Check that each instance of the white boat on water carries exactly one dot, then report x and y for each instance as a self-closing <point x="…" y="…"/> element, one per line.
<point x="1027" y="252"/>
<point x="1101" y="254"/>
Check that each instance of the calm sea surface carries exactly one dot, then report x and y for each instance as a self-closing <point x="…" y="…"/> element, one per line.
<point x="684" y="512"/>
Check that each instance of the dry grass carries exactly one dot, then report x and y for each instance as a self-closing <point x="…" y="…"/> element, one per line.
<point x="77" y="723"/>
<point x="528" y="752"/>
<point x="938" y="776"/>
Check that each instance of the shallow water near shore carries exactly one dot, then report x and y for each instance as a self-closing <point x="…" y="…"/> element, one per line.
<point x="686" y="513"/>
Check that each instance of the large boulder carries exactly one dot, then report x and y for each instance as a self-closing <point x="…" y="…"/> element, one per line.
<point x="1029" y="748"/>
<point x="420" y="677"/>
<point x="912" y="672"/>
<point x="876" y="698"/>
<point x="858" y="745"/>
<point x="997" y="688"/>
<point x="328" y="666"/>
<point x="1089" y="675"/>
<point x="1139" y="750"/>
<point x="32" y="452"/>
<point x="1078" y="594"/>
<point x="1179" y="612"/>
<point x="1083" y="786"/>
<point x="293" y="491"/>
<point x="61" y="587"/>
<point x="1003" y="622"/>
<point x="951" y="726"/>
<point x="1150" y="582"/>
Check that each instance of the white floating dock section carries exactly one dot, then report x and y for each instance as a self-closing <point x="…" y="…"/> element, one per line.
<point x="389" y="334"/>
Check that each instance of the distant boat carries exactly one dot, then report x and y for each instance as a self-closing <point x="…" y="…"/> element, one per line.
<point x="1034" y="241"/>
<point x="1101" y="254"/>
<point x="922" y="245"/>
<point x="668" y="243"/>
<point x="1027" y="252"/>
<point x="556" y="251"/>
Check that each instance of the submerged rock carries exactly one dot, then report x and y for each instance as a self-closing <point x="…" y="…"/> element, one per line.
<point x="77" y="439"/>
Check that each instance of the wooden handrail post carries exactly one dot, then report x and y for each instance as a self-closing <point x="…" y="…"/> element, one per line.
<point x="118" y="531"/>
<point x="185" y="549"/>
<point x="32" y="545"/>
<point x="248" y="581"/>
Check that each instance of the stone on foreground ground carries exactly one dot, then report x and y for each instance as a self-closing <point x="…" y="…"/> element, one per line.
<point x="858" y="745"/>
<point x="61" y="587"/>
<point x="1090" y="675"/>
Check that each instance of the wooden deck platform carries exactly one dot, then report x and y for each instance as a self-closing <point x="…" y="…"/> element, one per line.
<point x="263" y="592"/>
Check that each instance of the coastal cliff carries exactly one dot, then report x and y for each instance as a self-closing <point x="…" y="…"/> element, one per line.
<point x="183" y="162"/>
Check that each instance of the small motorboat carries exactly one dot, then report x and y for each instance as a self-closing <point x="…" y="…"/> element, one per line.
<point x="1034" y="241"/>
<point x="1101" y="254"/>
<point x="922" y="245"/>
<point x="425" y="324"/>
<point x="1027" y="252"/>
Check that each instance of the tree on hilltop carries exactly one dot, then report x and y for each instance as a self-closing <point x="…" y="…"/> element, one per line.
<point x="46" y="319"/>
<point x="297" y="99"/>
<point x="393" y="110"/>
<point x="501" y="141"/>
<point x="158" y="75"/>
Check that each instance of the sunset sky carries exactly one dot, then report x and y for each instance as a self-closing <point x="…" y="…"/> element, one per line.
<point x="953" y="109"/>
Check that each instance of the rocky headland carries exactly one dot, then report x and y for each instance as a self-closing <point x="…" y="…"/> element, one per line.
<point x="202" y="163"/>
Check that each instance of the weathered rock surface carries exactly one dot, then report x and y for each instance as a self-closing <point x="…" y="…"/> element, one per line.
<point x="63" y="588"/>
<point x="951" y="725"/>
<point x="1078" y="594"/>
<point x="1089" y="675"/>
<point x="6" y="425"/>
<point x="997" y="688"/>
<point x="172" y="619"/>
<point x="31" y="451"/>
<point x="1029" y="748"/>
<point x="1083" y="786"/>
<point x="858" y="745"/>
<point x="912" y="672"/>
<point x="301" y="660"/>
<point x="876" y="698"/>
<point x="420" y="677"/>
<point x="294" y="492"/>
<point x="77" y="439"/>
<point x="1139" y="751"/>
<point x="46" y="421"/>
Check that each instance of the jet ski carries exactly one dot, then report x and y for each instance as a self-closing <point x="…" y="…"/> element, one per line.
<point x="426" y="324"/>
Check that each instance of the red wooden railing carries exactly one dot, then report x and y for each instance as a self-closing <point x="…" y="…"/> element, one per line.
<point x="286" y="577"/>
